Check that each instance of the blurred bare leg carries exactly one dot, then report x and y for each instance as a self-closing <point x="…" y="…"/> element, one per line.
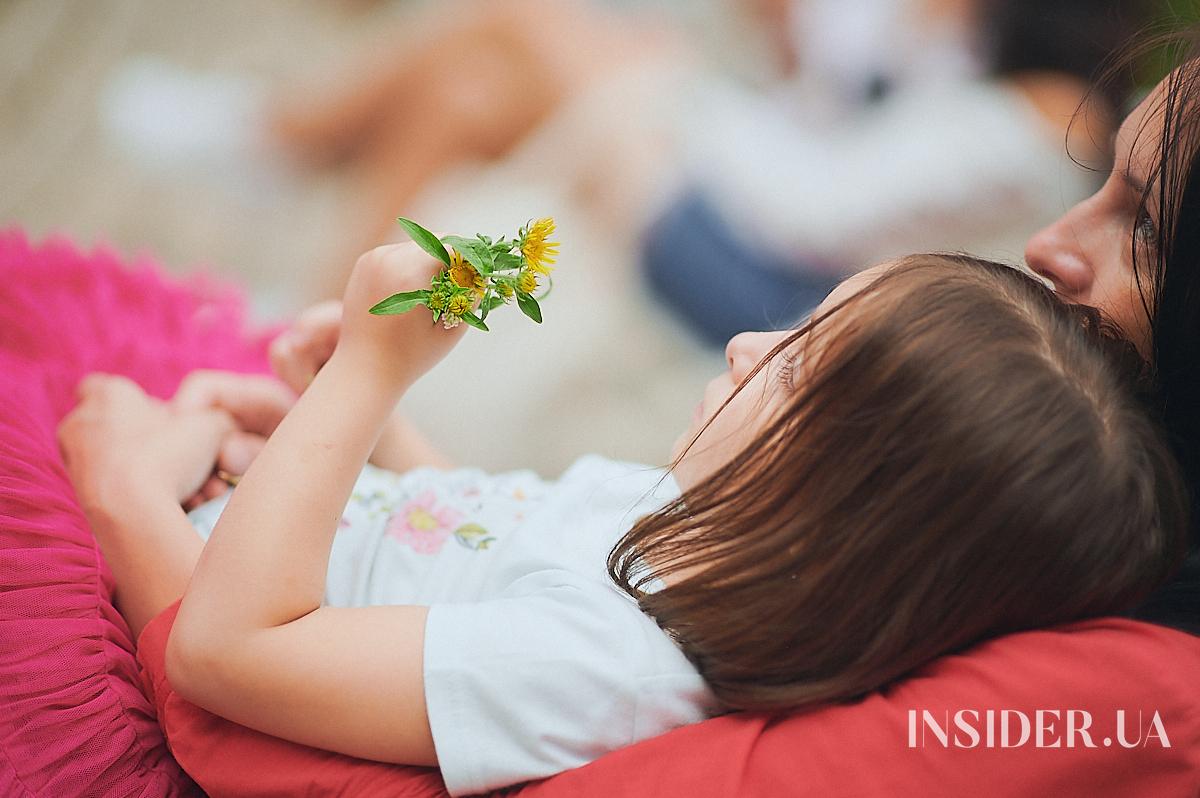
<point x="471" y="95"/>
<point x="332" y="132"/>
<point x="334" y="127"/>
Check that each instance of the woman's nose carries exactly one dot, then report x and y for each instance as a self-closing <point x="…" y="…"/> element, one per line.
<point x="1059" y="254"/>
<point x="745" y="350"/>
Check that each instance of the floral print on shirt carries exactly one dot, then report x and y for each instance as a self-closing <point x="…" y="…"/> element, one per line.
<point x="451" y="508"/>
<point x="423" y="524"/>
<point x="473" y="536"/>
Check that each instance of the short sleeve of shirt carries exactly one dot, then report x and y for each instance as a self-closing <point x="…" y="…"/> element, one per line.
<point x="552" y="674"/>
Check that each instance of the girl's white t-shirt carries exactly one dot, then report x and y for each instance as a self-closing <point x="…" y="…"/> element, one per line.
<point x="534" y="661"/>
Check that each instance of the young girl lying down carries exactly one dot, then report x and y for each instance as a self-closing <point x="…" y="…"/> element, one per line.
<point x="944" y="453"/>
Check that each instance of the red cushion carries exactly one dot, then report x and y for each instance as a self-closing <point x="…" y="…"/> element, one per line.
<point x="860" y="749"/>
<point x="73" y="719"/>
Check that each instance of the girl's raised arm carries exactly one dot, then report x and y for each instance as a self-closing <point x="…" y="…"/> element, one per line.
<point x="304" y="349"/>
<point x="252" y="642"/>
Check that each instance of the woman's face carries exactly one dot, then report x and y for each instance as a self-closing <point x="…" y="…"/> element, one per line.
<point x="753" y="408"/>
<point x="1087" y="253"/>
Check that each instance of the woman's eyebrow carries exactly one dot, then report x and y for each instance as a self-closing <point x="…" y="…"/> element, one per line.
<point x="1134" y="182"/>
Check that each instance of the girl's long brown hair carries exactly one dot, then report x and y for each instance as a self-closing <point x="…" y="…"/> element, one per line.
<point x="962" y="460"/>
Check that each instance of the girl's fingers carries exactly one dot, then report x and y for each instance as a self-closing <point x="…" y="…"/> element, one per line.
<point x="90" y="384"/>
<point x="238" y="452"/>
<point x="105" y="385"/>
<point x="212" y="489"/>
<point x="322" y="320"/>
<point x="202" y="430"/>
<point x="257" y="402"/>
<point x="209" y="425"/>
<point x="299" y="353"/>
<point x="208" y="491"/>
<point x="289" y="363"/>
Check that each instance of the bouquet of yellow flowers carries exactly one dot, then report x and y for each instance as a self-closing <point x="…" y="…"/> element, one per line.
<point x="480" y="274"/>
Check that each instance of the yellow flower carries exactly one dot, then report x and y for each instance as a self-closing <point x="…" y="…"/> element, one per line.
<point x="527" y="282"/>
<point x="437" y="300"/>
<point x="540" y="253"/>
<point x="464" y="275"/>
<point x="460" y="304"/>
<point x="505" y="290"/>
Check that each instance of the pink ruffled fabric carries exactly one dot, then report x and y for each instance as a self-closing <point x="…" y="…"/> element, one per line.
<point x="74" y="719"/>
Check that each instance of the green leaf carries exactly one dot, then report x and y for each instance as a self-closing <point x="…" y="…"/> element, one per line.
<point x="473" y="253"/>
<point x="459" y="243"/>
<point x="400" y="303"/>
<point x="529" y="306"/>
<point x="485" y="255"/>
<point x="425" y="239"/>
<point x="507" y="260"/>
<point x="492" y="302"/>
<point x="474" y="321"/>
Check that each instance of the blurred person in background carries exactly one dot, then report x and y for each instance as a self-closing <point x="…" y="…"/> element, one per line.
<point x="458" y="86"/>
<point x="881" y="128"/>
<point x="906" y="125"/>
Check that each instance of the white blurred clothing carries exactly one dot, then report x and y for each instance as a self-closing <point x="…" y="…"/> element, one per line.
<point x="946" y="164"/>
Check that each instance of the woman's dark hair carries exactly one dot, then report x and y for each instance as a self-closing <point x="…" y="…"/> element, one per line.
<point x="961" y="460"/>
<point x="1167" y="271"/>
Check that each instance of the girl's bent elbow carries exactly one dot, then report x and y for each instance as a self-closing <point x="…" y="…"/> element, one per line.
<point x="186" y="662"/>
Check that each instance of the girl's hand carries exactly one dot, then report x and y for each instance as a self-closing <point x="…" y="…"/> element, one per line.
<point x="257" y="404"/>
<point x="298" y="353"/>
<point x="119" y="443"/>
<point x="396" y="349"/>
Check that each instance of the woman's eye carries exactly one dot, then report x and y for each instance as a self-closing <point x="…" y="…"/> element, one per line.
<point x="1144" y="228"/>
<point x="787" y="365"/>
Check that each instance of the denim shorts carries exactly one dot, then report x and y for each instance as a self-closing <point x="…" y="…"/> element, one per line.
<point x="716" y="283"/>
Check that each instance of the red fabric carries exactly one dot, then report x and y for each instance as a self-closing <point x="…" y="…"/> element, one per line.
<point x="73" y="719"/>
<point x="228" y="759"/>
<point x="858" y="749"/>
